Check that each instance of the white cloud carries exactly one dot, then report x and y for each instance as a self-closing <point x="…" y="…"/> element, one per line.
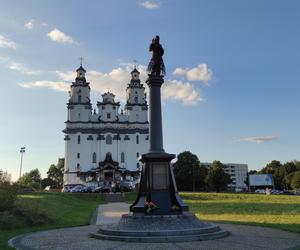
<point x="181" y="91"/>
<point x="29" y="24"/>
<point x="199" y="73"/>
<point x="58" y="86"/>
<point x="60" y="37"/>
<point x="258" y="139"/>
<point x="22" y="68"/>
<point x="7" y="43"/>
<point x="150" y="5"/>
<point x="116" y="81"/>
<point x="12" y="65"/>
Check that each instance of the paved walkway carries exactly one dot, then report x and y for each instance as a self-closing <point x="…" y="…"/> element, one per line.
<point x="111" y="212"/>
<point x="241" y="237"/>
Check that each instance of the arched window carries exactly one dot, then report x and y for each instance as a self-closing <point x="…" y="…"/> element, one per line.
<point x="94" y="157"/>
<point x="122" y="157"/>
<point x="138" y="166"/>
<point x="108" y="139"/>
<point x="136" y="99"/>
<point x="78" y="139"/>
<point x="78" y="167"/>
<point x="137" y="139"/>
<point x="79" y="98"/>
<point x="137" y="154"/>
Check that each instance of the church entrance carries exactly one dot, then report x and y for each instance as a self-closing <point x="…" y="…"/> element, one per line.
<point x="109" y="176"/>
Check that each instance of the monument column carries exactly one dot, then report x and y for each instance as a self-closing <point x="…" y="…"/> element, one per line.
<point x="156" y="134"/>
<point x="157" y="184"/>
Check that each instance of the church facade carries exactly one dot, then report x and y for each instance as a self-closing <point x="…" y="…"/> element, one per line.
<point x="104" y="144"/>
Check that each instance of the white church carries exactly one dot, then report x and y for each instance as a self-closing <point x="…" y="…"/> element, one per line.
<point x="104" y="145"/>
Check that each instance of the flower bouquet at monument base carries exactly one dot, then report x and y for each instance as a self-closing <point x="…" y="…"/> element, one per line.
<point x="149" y="207"/>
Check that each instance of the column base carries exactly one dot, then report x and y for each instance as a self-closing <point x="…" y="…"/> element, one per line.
<point x="158" y="187"/>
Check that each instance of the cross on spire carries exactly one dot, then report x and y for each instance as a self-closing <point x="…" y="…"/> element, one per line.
<point x="81" y="60"/>
<point x="134" y="63"/>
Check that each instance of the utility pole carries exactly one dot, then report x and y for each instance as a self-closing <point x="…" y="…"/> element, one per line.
<point x="22" y="151"/>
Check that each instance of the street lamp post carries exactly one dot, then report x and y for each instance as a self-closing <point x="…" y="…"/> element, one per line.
<point x="22" y="151"/>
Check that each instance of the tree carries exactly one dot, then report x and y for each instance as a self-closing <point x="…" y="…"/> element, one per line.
<point x="56" y="173"/>
<point x="295" y="182"/>
<point x="277" y="170"/>
<point x="189" y="173"/>
<point x="48" y="182"/>
<point x="217" y="180"/>
<point x="31" y="179"/>
<point x="8" y="192"/>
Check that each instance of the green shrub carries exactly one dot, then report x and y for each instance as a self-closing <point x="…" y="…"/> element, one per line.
<point x="8" y="195"/>
<point x="31" y="215"/>
<point x="10" y="221"/>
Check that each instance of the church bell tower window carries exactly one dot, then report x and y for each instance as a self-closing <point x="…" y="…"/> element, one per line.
<point x="94" y="157"/>
<point x="108" y="139"/>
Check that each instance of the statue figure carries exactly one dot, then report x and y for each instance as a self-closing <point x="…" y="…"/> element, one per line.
<point x="156" y="65"/>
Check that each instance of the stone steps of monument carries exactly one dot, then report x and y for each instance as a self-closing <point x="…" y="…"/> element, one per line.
<point x="117" y="197"/>
<point x="174" y="238"/>
<point x="178" y="232"/>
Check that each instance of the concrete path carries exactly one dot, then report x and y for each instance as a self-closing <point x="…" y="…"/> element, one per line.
<point x="241" y="237"/>
<point x="111" y="212"/>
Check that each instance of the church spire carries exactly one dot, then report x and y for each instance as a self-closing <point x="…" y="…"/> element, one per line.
<point x="80" y="73"/>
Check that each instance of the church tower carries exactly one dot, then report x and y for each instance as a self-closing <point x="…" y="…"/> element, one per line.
<point x="136" y="106"/>
<point x="79" y="105"/>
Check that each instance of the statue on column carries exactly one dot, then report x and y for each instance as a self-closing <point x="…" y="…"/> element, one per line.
<point x="156" y="65"/>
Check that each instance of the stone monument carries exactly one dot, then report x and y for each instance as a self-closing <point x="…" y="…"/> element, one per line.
<point x="158" y="213"/>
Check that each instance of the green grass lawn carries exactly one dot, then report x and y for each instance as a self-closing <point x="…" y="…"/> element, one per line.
<point x="64" y="210"/>
<point x="67" y="210"/>
<point x="276" y="211"/>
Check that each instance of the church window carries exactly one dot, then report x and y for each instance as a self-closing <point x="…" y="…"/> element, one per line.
<point x="122" y="157"/>
<point x="136" y="92"/>
<point x="103" y="107"/>
<point x="108" y="139"/>
<point x="78" y="167"/>
<point x="108" y="115"/>
<point x="137" y="139"/>
<point x="137" y="154"/>
<point x="78" y="155"/>
<point x="78" y="139"/>
<point x="138" y="166"/>
<point x="136" y="99"/>
<point x="79" y="98"/>
<point x="94" y="157"/>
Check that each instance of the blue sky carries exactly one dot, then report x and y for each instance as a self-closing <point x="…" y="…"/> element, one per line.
<point x="232" y="86"/>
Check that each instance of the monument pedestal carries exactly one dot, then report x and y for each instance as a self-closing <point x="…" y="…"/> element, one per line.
<point x="158" y="186"/>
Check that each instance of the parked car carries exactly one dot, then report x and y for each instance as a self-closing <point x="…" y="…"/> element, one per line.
<point x="88" y="189"/>
<point x="77" y="189"/>
<point x="260" y="191"/>
<point x="126" y="186"/>
<point x="68" y="187"/>
<point x="105" y="189"/>
<point x="97" y="190"/>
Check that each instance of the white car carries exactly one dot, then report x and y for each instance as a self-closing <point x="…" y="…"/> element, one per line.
<point x="77" y="189"/>
<point x="260" y="191"/>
